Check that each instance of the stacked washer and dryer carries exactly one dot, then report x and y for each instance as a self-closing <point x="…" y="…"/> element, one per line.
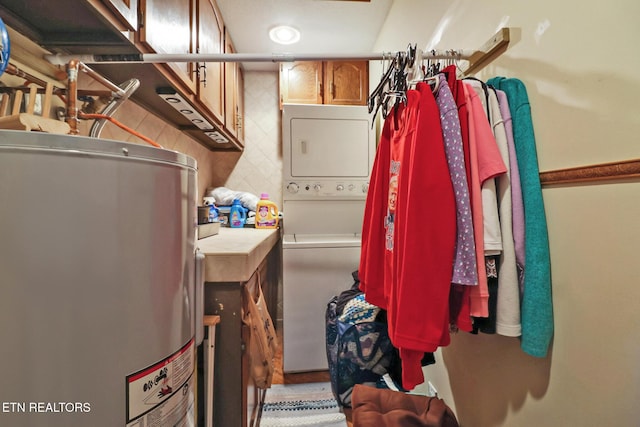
<point x="328" y="152"/>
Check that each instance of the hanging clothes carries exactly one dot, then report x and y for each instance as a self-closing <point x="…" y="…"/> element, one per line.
<point x="465" y="270"/>
<point x="490" y="217"/>
<point x="454" y="234"/>
<point x="490" y="220"/>
<point x="486" y="163"/>
<point x="517" y="208"/>
<point x="460" y="297"/>
<point x="508" y="296"/>
<point x="417" y="220"/>
<point x="537" y="305"/>
<point x="372" y="270"/>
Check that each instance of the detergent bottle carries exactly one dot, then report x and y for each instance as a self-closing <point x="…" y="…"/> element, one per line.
<point x="266" y="213"/>
<point x="237" y="214"/>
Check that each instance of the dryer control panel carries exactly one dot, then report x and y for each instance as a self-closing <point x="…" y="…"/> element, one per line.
<point x="315" y="189"/>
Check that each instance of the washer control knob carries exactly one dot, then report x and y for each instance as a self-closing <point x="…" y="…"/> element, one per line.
<point x="351" y="187"/>
<point x="317" y="187"/>
<point x="365" y="187"/>
<point x="339" y="187"/>
<point x="293" y="188"/>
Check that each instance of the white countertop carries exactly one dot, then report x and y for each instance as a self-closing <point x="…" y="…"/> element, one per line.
<point x="235" y="253"/>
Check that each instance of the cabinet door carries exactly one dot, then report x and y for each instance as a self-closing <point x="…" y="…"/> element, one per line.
<point x="301" y="82"/>
<point x="167" y="27"/>
<point x="233" y="93"/>
<point x="210" y="80"/>
<point x="126" y="10"/>
<point x="346" y="82"/>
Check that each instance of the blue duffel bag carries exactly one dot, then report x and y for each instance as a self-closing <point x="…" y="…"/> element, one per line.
<point x="359" y="350"/>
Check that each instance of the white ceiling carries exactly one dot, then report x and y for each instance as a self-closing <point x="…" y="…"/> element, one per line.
<point x="326" y="26"/>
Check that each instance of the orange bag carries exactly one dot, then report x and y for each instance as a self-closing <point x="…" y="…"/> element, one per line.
<point x="263" y="344"/>
<point x="375" y="407"/>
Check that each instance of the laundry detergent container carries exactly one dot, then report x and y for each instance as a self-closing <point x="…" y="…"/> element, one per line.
<point x="98" y="279"/>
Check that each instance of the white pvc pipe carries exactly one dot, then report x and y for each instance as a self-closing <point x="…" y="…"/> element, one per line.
<point x="236" y="57"/>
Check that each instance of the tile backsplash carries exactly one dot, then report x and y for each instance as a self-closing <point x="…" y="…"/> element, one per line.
<point x="258" y="169"/>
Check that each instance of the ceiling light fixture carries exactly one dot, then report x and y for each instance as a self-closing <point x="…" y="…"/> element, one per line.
<point x="284" y="34"/>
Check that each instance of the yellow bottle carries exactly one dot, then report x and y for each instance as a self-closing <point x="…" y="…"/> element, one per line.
<point x="266" y="213"/>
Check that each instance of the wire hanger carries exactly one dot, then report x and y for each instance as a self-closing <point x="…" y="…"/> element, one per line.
<point x="404" y="69"/>
<point x="374" y="98"/>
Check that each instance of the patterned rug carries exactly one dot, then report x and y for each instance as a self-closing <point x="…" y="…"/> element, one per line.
<point x="299" y="405"/>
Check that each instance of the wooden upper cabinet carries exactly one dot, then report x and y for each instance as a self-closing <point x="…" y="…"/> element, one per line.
<point x="346" y="82"/>
<point x="167" y="26"/>
<point x="301" y="82"/>
<point x="330" y="82"/>
<point x="210" y="75"/>
<point x="126" y="10"/>
<point x="234" y="93"/>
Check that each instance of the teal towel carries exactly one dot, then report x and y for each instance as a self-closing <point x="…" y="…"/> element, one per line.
<point x="537" y="304"/>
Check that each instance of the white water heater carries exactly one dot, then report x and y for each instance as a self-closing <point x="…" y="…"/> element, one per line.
<point x="97" y="277"/>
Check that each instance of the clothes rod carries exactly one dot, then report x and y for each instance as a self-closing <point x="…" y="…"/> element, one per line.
<point x="494" y="47"/>
<point x="237" y="57"/>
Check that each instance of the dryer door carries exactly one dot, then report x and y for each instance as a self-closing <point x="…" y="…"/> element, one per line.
<point x="329" y="148"/>
<point x="327" y="141"/>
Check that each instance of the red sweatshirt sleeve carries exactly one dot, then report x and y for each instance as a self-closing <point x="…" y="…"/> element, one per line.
<point x="371" y="270"/>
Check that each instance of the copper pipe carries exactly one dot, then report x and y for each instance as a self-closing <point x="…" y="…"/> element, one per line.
<point x="97" y="77"/>
<point x="62" y="92"/>
<point x="15" y="71"/>
<point x="72" y="96"/>
<point x="113" y="89"/>
<point x="92" y="92"/>
<point x="59" y="91"/>
<point x="73" y="68"/>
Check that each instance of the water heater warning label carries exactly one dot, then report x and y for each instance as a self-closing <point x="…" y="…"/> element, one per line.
<point x="162" y="394"/>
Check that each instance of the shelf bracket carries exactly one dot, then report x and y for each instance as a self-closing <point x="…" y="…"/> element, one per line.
<point x="493" y="48"/>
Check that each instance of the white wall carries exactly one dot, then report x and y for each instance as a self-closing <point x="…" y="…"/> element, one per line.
<point x="580" y="62"/>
